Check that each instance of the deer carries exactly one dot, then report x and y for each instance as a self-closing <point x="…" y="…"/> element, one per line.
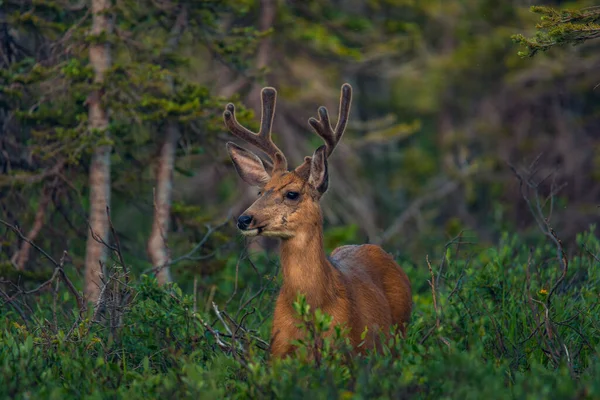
<point x="360" y="286"/>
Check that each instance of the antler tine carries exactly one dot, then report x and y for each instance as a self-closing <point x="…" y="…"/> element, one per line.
<point x="323" y="128"/>
<point x="268" y="97"/>
<point x="262" y="139"/>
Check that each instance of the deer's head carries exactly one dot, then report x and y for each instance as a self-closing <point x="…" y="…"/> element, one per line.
<point x="288" y="200"/>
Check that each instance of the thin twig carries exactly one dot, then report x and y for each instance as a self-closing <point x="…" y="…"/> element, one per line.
<point x="195" y="308"/>
<point x="432" y="285"/>
<point x="14" y="305"/>
<point x="235" y="287"/>
<point x="198" y="246"/>
<point x="218" y="314"/>
<point x="69" y="284"/>
<point x="16" y="229"/>
<point x="118" y="245"/>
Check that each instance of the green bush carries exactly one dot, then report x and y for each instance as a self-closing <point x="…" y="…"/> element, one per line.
<point x="502" y="328"/>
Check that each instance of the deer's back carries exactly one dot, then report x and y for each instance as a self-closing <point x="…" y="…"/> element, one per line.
<point x="371" y="290"/>
<point x="375" y="278"/>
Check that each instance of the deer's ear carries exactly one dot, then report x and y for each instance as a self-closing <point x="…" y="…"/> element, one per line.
<point x="248" y="166"/>
<point x="319" y="177"/>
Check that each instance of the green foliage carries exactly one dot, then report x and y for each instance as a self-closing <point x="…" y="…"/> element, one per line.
<point x="491" y="336"/>
<point x="560" y="28"/>
<point x="339" y="236"/>
<point x="454" y="88"/>
<point x="46" y="79"/>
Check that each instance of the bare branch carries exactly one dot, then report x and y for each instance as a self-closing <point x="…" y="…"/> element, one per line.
<point x="414" y="208"/>
<point x="16" y="230"/>
<point x="210" y="230"/>
<point x="22" y="256"/>
<point x="118" y="245"/>
<point x="14" y="305"/>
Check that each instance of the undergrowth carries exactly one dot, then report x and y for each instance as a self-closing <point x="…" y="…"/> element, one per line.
<point x="505" y="322"/>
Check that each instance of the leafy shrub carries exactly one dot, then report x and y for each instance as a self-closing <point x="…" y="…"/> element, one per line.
<point x="500" y="327"/>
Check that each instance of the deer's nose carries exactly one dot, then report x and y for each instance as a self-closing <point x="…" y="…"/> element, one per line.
<point x="244" y="221"/>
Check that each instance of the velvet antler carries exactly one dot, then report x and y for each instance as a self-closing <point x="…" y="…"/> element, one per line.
<point x="262" y="139"/>
<point x="322" y="127"/>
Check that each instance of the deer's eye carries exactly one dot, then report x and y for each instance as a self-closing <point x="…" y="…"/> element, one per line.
<point x="292" y="195"/>
<point x="259" y="193"/>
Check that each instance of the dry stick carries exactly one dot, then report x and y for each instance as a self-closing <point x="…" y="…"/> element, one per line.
<point x="230" y="332"/>
<point x="14" y="305"/>
<point x="527" y="294"/>
<point x="70" y="286"/>
<point x="37" y="289"/>
<point x="537" y="328"/>
<point x="31" y="179"/>
<point x="564" y="262"/>
<point x="54" y="301"/>
<point x="223" y="345"/>
<point x="22" y="255"/>
<point x="98" y="304"/>
<point x="462" y="274"/>
<point x="544" y="226"/>
<point x="189" y="255"/>
<point x="581" y="335"/>
<point x="435" y="307"/>
<point x="414" y="208"/>
<point x="218" y="314"/>
<point x="211" y="296"/>
<point x="235" y="288"/>
<point x="260" y="290"/>
<point x="59" y="265"/>
<point x="432" y="285"/>
<point x="548" y="327"/>
<point x="117" y="244"/>
<point x="264" y="288"/>
<point x="195" y="308"/>
<point x="243" y="318"/>
<point x="15" y="229"/>
<point x="595" y="257"/>
<point x="455" y="240"/>
<point x="198" y="246"/>
<point x="240" y="327"/>
<point x="98" y="239"/>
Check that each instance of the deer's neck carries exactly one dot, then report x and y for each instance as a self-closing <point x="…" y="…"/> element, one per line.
<point x="306" y="269"/>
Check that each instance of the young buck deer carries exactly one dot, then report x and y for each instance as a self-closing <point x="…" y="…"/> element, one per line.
<point x="359" y="286"/>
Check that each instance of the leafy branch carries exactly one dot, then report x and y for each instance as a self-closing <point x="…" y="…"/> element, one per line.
<point x="560" y="28"/>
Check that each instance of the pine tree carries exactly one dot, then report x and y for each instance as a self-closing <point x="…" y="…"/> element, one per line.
<point x="560" y="27"/>
<point x="161" y="100"/>
<point x="130" y="77"/>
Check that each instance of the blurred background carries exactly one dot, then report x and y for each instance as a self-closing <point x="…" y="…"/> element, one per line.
<point x="443" y="106"/>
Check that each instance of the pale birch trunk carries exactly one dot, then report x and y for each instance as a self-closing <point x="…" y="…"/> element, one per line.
<point x="157" y="248"/>
<point x="157" y="244"/>
<point x="99" y="180"/>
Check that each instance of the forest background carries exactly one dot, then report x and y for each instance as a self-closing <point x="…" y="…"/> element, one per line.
<point x="460" y="148"/>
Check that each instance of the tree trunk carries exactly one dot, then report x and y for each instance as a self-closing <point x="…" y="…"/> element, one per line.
<point x="157" y="244"/>
<point x="22" y="256"/>
<point x="157" y="248"/>
<point x="99" y="181"/>
<point x="268" y="10"/>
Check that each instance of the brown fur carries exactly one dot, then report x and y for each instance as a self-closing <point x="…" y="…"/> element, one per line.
<point x="360" y="286"/>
